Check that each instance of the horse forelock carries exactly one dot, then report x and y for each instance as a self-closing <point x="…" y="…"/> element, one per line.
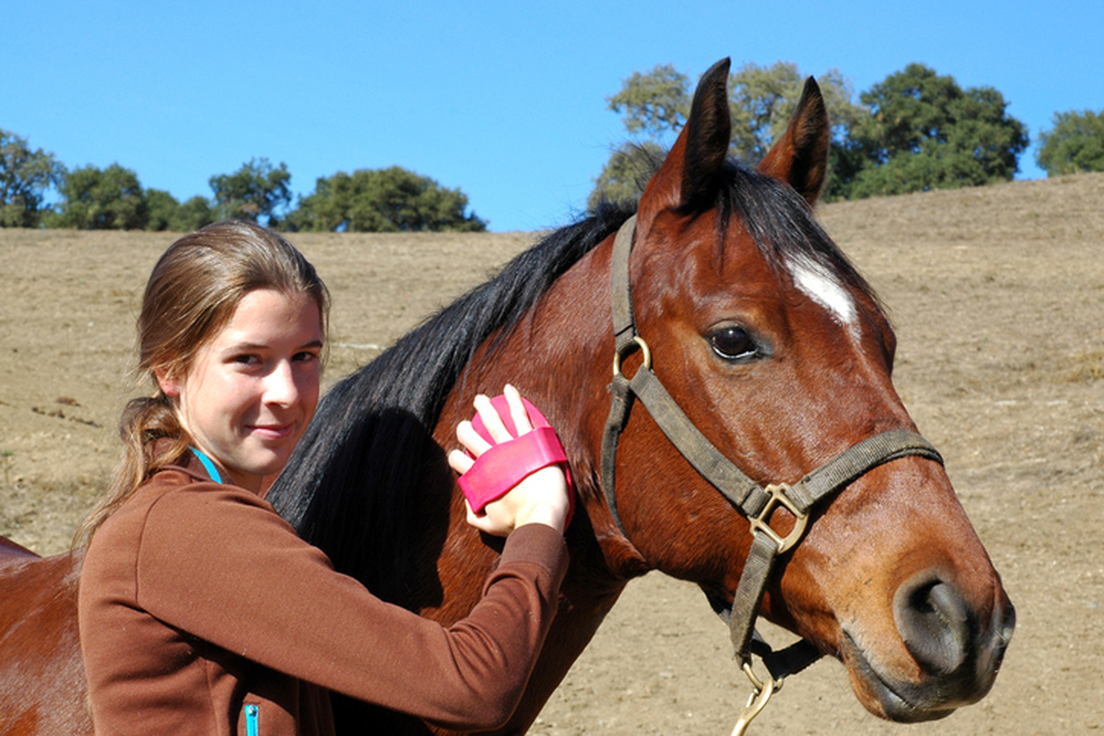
<point x="782" y="225"/>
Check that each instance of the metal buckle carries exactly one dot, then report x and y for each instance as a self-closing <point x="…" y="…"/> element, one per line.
<point x="778" y="497"/>
<point x="761" y="692"/>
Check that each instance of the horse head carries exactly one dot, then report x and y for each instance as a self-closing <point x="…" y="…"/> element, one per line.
<point x="779" y="353"/>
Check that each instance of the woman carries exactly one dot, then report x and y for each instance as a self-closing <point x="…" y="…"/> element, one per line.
<point x="201" y="611"/>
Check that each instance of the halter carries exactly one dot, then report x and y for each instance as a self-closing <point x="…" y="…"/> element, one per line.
<point x="755" y="502"/>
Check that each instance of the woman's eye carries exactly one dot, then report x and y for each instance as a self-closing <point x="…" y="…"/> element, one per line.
<point x="732" y="343"/>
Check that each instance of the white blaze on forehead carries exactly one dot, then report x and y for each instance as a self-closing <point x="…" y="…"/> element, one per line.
<point x="825" y="288"/>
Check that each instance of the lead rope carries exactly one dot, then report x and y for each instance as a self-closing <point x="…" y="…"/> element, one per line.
<point x="752" y="500"/>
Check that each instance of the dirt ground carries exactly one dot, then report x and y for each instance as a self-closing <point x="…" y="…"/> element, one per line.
<point x="997" y="295"/>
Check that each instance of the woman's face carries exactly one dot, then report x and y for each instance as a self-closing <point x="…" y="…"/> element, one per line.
<point x="252" y="389"/>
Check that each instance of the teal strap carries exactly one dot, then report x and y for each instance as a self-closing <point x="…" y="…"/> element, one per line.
<point x="252" y="720"/>
<point x="208" y="465"/>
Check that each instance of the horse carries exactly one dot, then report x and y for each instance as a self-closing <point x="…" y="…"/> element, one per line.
<point x="749" y="439"/>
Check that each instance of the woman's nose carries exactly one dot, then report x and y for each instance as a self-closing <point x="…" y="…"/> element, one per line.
<point x="281" y="386"/>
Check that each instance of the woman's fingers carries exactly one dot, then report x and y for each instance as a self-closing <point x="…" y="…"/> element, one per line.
<point x="459" y="461"/>
<point x="471" y="440"/>
<point x="518" y="414"/>
<point x="491" y="420"/>
<point x="540" y="497"/>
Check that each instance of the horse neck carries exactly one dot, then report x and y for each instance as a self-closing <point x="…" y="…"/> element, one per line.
<point x="559" y="356"/>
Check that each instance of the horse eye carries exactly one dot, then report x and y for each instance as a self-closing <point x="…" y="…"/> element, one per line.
<point x="732" y="343"/>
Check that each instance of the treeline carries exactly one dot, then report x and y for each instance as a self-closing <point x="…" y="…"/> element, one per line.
<point x="368" y="200"/>
<point x="915" y="130"/>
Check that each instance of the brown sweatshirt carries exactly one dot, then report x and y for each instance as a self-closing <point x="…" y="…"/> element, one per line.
<point x="201" y="610"/>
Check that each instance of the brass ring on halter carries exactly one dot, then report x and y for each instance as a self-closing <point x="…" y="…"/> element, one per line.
<point x="637" y="342"/>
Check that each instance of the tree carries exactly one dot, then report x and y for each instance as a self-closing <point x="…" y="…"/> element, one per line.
<point x="1075" y="144"/>
<point x="625" y="175"/>
<point x="102" y="199"/>
<point x="166" y="213"/>
<point x="192" y="214"/>
<point x="926" y="132"/>
<point x="162" y="208"/>
<point x="761" y="99"/>
<point x="254" y="191"/>
<point x="654" y="103"/>
<point x="25" y="175"/>
<point x="383" y="200"/>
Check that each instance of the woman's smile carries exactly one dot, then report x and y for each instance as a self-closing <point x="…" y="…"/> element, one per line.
<point x="273" y="432"/>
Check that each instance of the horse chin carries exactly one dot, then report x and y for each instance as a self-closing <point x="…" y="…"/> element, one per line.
<point x="899" y="700"/>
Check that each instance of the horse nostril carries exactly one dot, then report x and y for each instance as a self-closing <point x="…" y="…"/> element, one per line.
<point x="934" y="622"/>
<point x="1008" y="625"/>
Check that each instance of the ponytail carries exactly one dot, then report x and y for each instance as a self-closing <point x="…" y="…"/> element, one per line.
<point x="152" y="438"/>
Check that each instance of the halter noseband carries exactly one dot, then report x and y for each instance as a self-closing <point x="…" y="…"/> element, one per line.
<point x="752" y="500"/>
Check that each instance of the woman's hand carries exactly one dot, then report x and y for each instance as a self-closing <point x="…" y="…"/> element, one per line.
<point x="540" y="497"/>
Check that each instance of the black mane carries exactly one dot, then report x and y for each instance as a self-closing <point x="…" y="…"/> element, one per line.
<point x="367" y="483"/>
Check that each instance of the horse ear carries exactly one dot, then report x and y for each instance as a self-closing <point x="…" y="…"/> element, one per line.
<point x="689" y="176"/>
<point x="800" y="157"/>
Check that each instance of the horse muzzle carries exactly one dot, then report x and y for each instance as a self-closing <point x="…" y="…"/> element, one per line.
<point x="956" y="652"/>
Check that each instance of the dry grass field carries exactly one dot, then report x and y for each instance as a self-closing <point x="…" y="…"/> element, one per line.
<point x="997" y="295"/>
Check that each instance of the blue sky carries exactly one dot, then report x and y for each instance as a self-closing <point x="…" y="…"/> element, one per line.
<point x="506" y="100"/>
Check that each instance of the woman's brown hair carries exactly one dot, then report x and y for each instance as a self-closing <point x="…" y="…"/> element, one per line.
<point x="192" y="293"/>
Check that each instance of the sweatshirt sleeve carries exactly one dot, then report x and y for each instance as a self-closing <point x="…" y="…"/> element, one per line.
<point x="221" y="565"/>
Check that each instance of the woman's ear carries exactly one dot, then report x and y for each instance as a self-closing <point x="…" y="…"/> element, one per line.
<point x="167" y="382"/>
